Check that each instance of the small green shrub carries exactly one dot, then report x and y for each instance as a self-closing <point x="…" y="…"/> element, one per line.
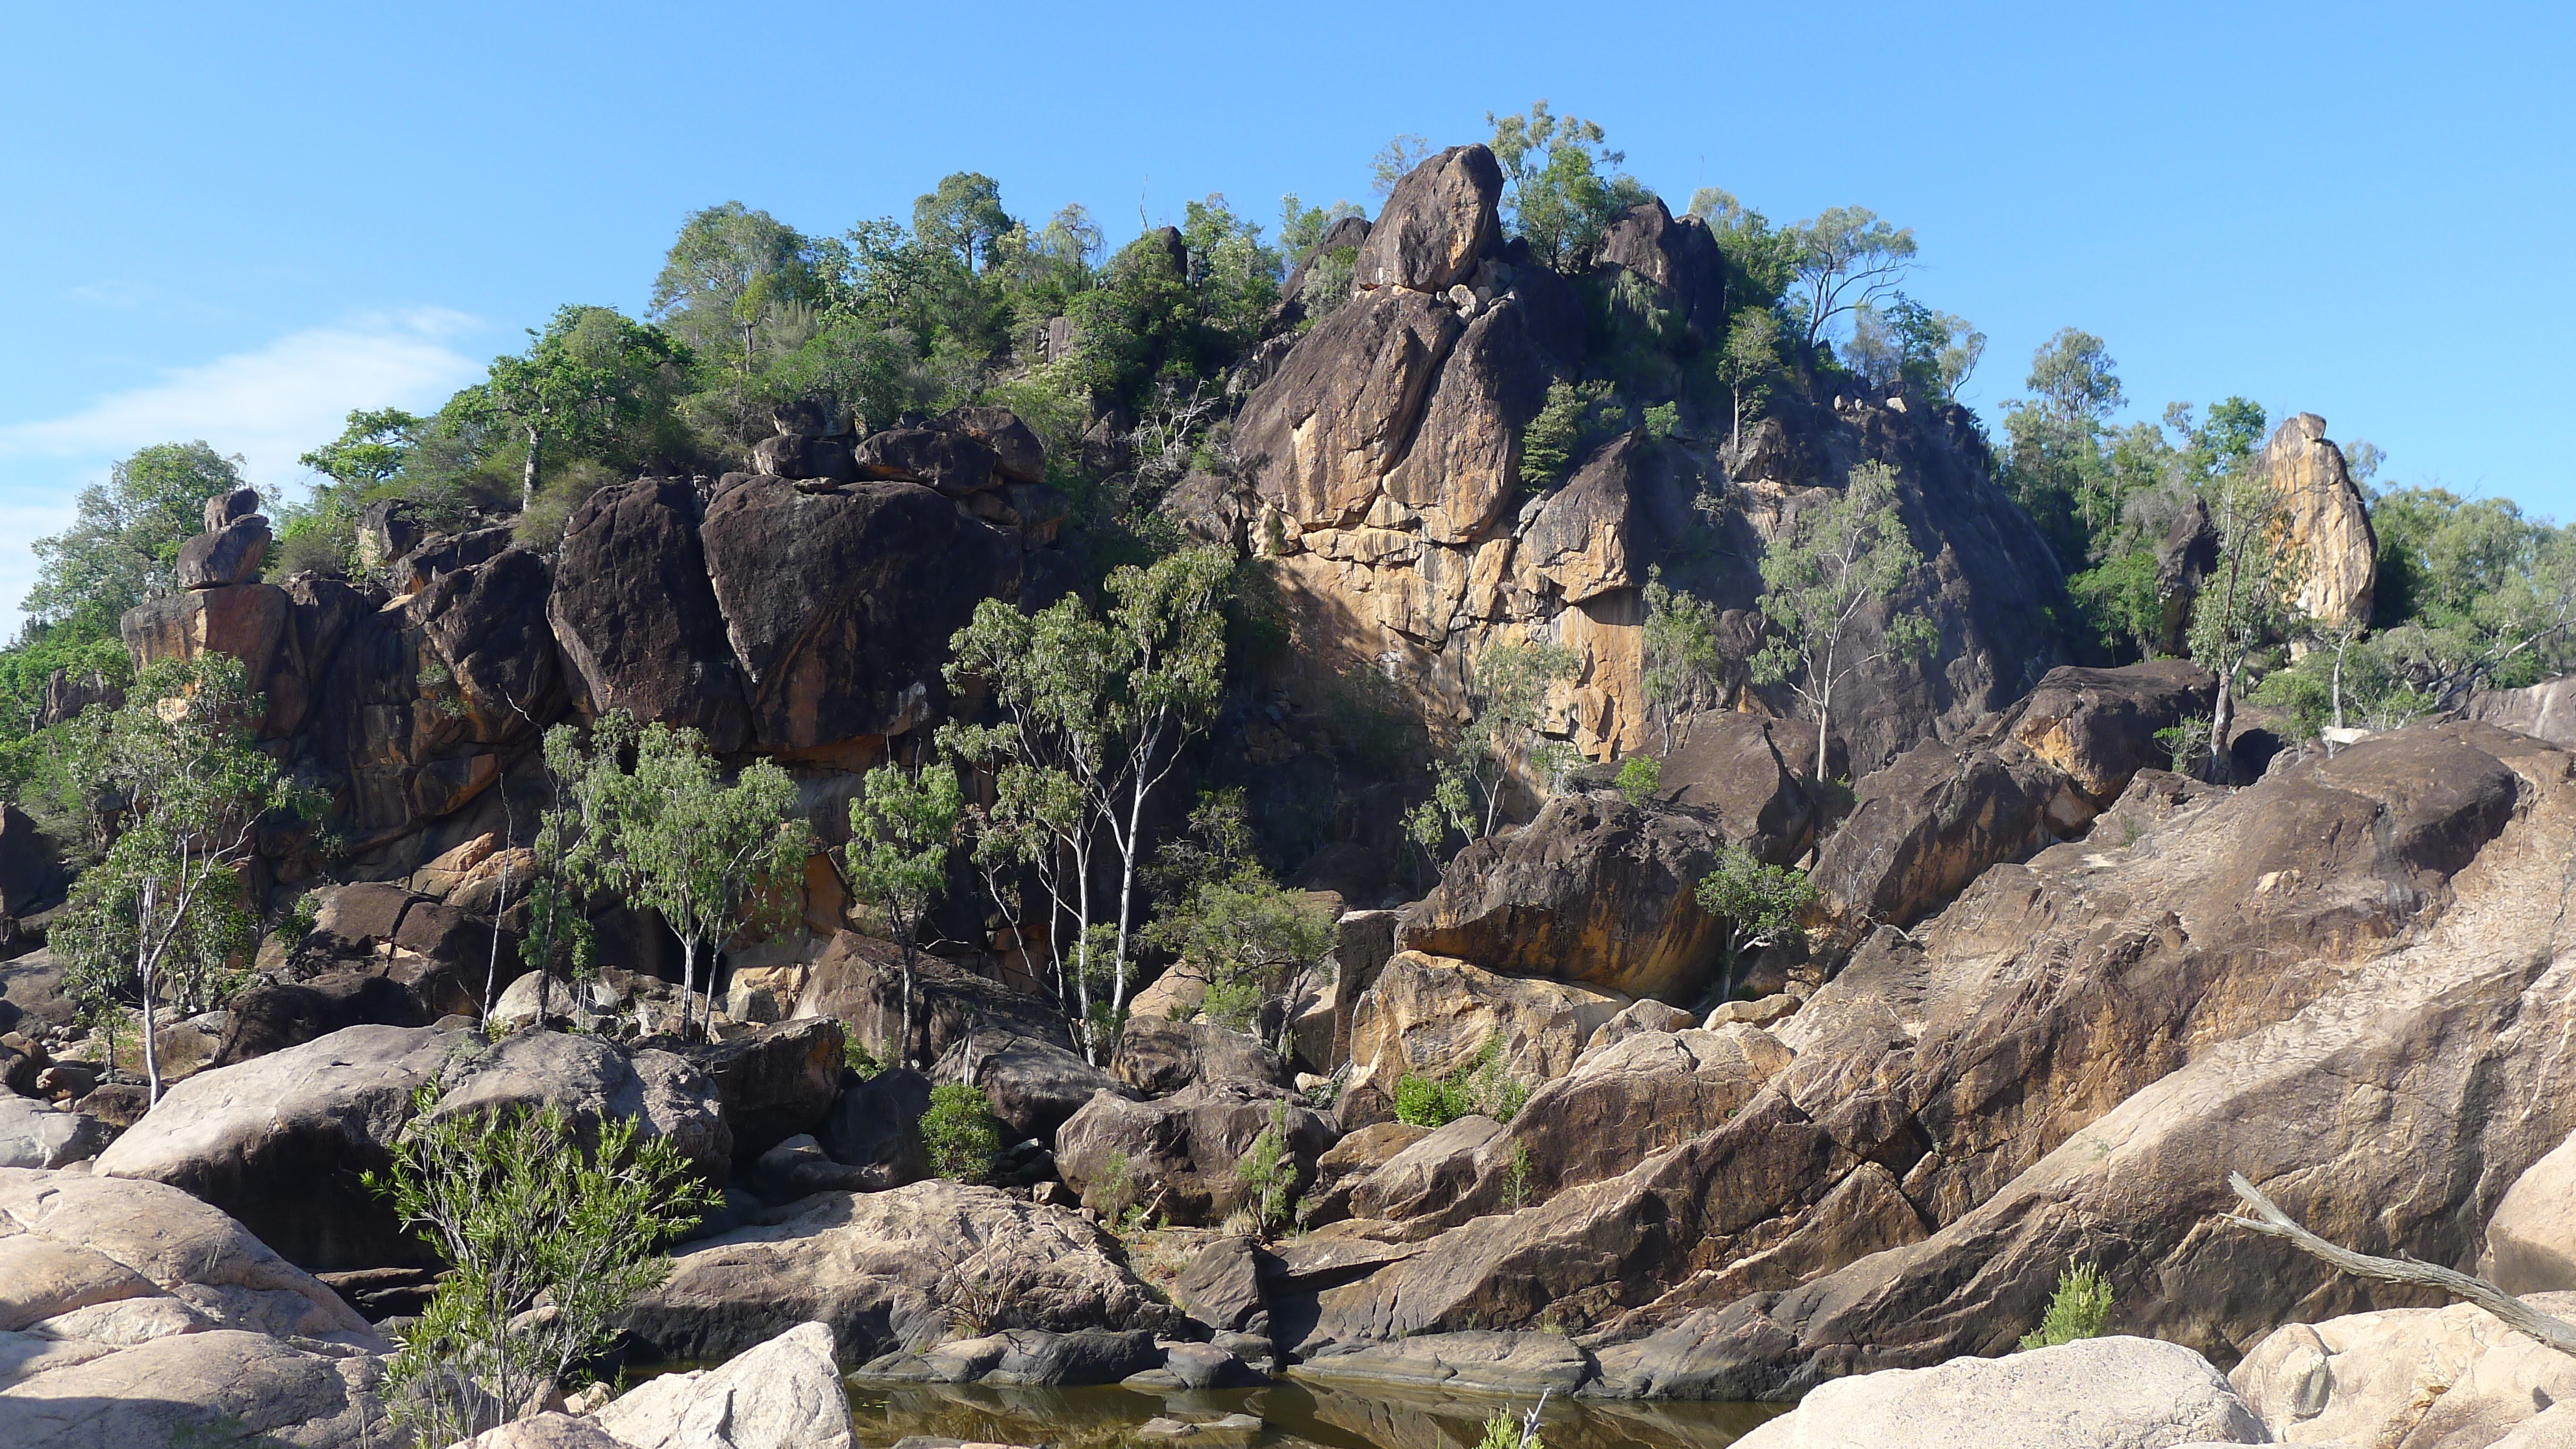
<point x="1640" y="778"/>
<point x="2080" y="1308"/>
<point x="959" y="1134"/>
<point x="1271" y="1172"/>
<point x="856" y="1056"/>
<point x="1516" y="1186"/>
<point x="1507" y="1430"/>
<point x="1483" y="1086"/>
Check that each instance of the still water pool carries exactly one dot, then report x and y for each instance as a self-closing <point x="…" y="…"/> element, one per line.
<point x="1293" y="1414"/>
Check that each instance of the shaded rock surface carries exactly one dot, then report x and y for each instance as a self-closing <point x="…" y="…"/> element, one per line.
<point x="1181" y="1152"/>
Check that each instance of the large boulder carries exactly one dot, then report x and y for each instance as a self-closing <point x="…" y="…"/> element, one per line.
<point x="2361" y="929"/>
<point x="1018" y="455"/>
<point x="213" y="1387"/>
<point x="1730" y="765"/>
<point x="32" y="995"/>
<point x="784" y="1392"/>
<point x="108" y="1262"/>
<point x="592" y="1082"/>
<point x="839" y="604"/>
<point x="891" y="1271"/>
<point x="2544" y="711"/>
<point x="1033" y="1084"/>
<point x="1440" y="218"/>
<point x="1180" y="1153"/>
<point x="34" y="1134"/>
<point x="775" y="1083"/>
<point x="2445" y="1378"/>
<point x="280" y="1141"/>
<point x="858" y="980"/>
<point x="31" y="865"/>
<point x="2324" y="523"/>
<point x="1462" y="468"/>
<point x="1432" y="1016"/>
<point x="636" y="617"/>
<point x="1933" y="821"/>
<point x="225" y="556"/>
<point x="242" y="620"/>
<point x="2531" y="1239"/>
<point x="2097" y="1393"/>
<point x="1318" y="437"/>
<point x="271" y="1016"/>
<point x="2098" y="726"/>
<point x="1159" y="1056"/>
<point x="875" y="1127"/>
<point x="954" y="462"/>
<point x="1595" y="891"/>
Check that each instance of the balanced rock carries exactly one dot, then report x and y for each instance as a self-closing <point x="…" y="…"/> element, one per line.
<point x="1440" y="218"/>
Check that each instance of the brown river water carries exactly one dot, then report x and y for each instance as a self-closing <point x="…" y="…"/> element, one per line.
<point x="1294" y="1415"/>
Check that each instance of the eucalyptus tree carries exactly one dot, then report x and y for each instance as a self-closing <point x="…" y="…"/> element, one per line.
<point x="177" y="793"/>
<point x="903" y="829"/>
<point x="1820" y="576"/>
<point x="1093" y="709"/>
<point x="667" y="832"/>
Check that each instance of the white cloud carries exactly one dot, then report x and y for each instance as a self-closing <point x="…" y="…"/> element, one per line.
<point x="268" y="405"/>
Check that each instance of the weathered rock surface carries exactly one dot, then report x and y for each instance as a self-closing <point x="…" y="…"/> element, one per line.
<point x="1320" y="435"/>
<point x="1181" y="1151"/>
<point x="33" y="1134"/>
<point x="1159" y="1057"/>
<point x="271" y="1016"/>
<point x="1440" y="218"/>
<point x="1034" y="1084"/>
<point x="784" y="1392"/>
<point x="774" y="1084"/>
<point x="2098" y="726"/>
<point x="2531" y="1240"/>
<point x="874" y="1126"/>
<point x="636" y="616"/>
<point x="2098" y="1393"/>
<point x="2324" y="524"/>
<point x="1431" y="1016"/>
<point x="2545" y="711"/>
<point x="839" y="604"/>
<point x="889" y="1271"/>
<point x="1594" y="891"/>
<point x="279" y="1142"/>
<point x="592" y="1082"/>
<point x="2444" y="1378"/>
<point x="1520" y="1365"/>
<point x="1024" y="1358"/>
<point x="1730" y="765"/>
<point x="1222" y="1288"/>
<point x="214" y="1386"/>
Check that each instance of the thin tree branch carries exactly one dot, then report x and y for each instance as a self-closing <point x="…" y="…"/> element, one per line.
<point x="2271" y="1222"/>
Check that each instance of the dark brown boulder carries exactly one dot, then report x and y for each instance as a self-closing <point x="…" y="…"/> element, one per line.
<point x="774" y="1084"/>
<point x="2098" y="726"/>
<point x="32" y="876"/>
<point x="874" y="1126"/>
<point x="1017" y="453"/>
<point x="1594" y="891"/>
<point x="2185" y="559"/>
<point x="444" y="553"/>
<point x="636" y="617"/>
<point x="952" y="462"/>
<point x="242" y="620"/>
<point x="319" y="613"/>
<point x="353" y="921"/>
<point x="1440" y="218"/>
<point x="1931" y="822"/>
<point x="386" y="531"/>
<point x="1033" y="1084"/>
<point x="1221" y="1288"/>
<point x="858" y="981"/>
<point x="274" y="1015"/>
<point x="68" y="694"/>
<point x="839" y="605"/>
<point x="32" y="995"/>
<point x="1677" y="257"/>
<point x="487" y="622"/>
<point x="1731" y="765"/>
<point x="228" y="555"/>
<point x="226" y="509"/>
<point x="803" y="458"/>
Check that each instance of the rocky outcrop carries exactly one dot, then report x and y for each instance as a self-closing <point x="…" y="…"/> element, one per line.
<point x="839" y="604"/>
<point x="1439" y="219"/>
<point x="2544" y="711"/>
<point x="2323" y="525"/>
<point x="2453" y="1377"/>
<point x="203" y="1387"/>
<point x="892" y="1271"/>
<point x="1159" y="1057"/>
<point x="1594" y="891"/>
<point x="1731" y="766"/>
<point x="1033" y="1084"/>
<point x="636" y="616"/>
<point x="225" y="556"/>
<point x="1432" y="1016"/>
<point x="34" y="1135"/>
<point x="776" y="1083"/>
<point x="2098" y="1393"/>
<point x="1180" y="1152"/>
<point x="2098" y="726"/>
<point x="592" y="1082"/>
<point x="1517" y="1365"/>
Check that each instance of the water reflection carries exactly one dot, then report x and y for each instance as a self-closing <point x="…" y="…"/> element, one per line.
<point x="1294" y="1415"/>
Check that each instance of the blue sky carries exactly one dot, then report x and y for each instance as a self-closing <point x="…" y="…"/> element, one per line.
<point x="238" y="226"/>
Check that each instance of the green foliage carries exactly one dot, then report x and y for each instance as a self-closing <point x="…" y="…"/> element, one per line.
<point x="1640" y="778"/>
<point x="1818" y="573"/>
<point x="2471" y="593"/>
<point x="2186" y="744"/>
<point x="593" y="384"/>
<point x="1481" y="1086"/>
<point x="903" y="828"/>
<point x="1555" y="190"/>
<point x="1842" y="259"/>
<point x="1092" y="710"/>
<point x="1576" y="418"/>
<point x="1270" y="1172"/>
<point x="856" y="1056"/>
<point x="1906" y="342"/>
<point x="1507" y="688"/>
<point x="549" y="1240"/>
<point x="1255" y="938"/>
<point x="2081" y="1308"/>
<point x="1681" y="655"/>
<point x="174" y="791"/>
<point x="1114" y="1194"/>
<point x="1505" y="1431"/>
<point x="960" y="1134"/>
<point x="1516" y="1181"/>
<point x="1755" y="905"/>
<point x="666" y="832"/>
